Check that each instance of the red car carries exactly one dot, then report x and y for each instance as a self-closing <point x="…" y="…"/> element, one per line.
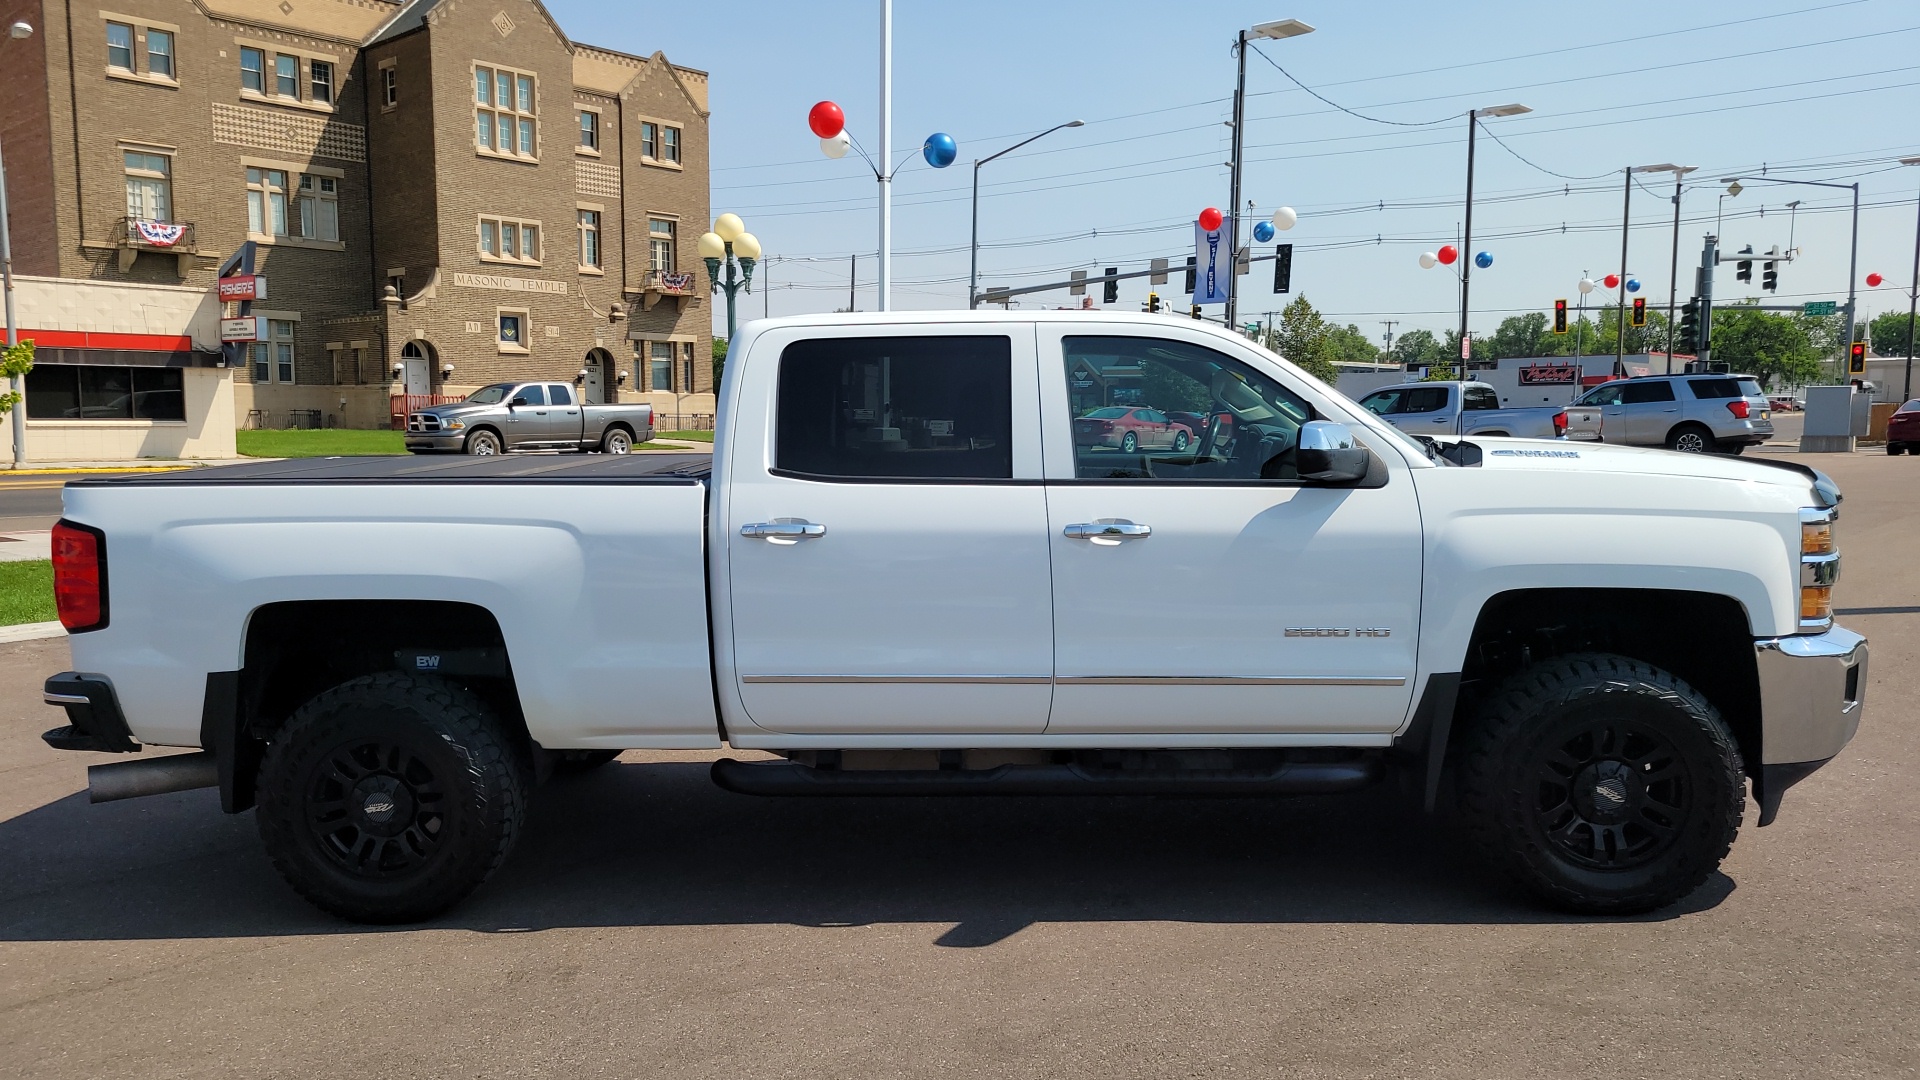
<point x="1903" y="429"/>
<point x="1130" y="427"/>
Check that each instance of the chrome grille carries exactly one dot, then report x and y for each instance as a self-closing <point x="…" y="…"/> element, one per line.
<point x="423" y="422"/>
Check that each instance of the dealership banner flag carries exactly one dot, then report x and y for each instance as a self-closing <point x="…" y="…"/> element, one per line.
<point x="1210" y="259"/>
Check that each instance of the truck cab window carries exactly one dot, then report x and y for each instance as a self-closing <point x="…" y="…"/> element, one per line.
<point x="1155" y="409"/>
<point x="886" y="407"/>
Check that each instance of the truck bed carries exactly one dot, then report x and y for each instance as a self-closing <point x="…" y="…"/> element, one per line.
<point x="520" y="468"/>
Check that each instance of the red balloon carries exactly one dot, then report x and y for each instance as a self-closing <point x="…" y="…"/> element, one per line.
<point x="1210" y="219"/>
<point x="1874" y="280"/>
<point x="826" y="119"/>
<point x="1447" y="254"/>
<point x="1612" y="280"/>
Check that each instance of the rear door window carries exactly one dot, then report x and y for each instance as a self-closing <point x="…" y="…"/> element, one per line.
<point x="896" y="407"/>
<point x="1714" y="389"/>
<point x="559" y="394"/>
<point x="1642" y="393"/>
<point x="1482" y="397"/>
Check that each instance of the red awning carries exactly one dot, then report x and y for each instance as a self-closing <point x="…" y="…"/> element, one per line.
<point x="84" y="339"/>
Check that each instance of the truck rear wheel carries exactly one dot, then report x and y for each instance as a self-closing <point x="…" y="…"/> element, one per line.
<point x="390" y="797"/>
<point x="1601" y="784"/>
<point x="616" y="441"/>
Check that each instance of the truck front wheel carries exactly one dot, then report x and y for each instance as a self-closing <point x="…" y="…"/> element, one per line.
<point x="1601" y="784"/>
<point x="483" y="443"/>
<point x="390" y="797"/>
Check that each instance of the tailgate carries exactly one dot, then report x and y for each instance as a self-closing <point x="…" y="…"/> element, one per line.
<point x="1584" y="422"/>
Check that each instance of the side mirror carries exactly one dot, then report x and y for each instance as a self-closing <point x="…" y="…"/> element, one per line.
<point x="1327" y="454"/>
<point x="518" y="401"/>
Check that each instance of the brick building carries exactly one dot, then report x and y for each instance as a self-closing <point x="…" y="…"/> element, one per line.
<point x="443" y="194"/>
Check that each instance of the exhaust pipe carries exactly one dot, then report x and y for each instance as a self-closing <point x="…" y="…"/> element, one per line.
<point x="155" y="776"/>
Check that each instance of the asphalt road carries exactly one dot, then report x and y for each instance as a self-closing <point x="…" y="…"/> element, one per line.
<point x="32" y="500"/>
<point x="652" y="925"/>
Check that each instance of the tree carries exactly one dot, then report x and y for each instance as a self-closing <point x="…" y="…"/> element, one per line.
<point x="1604" y="338"/>
<point x="15" y="360"/>
<point x="1888" y="333"/>
<point x="1761" y="343"/>
<point x="1349" y="345"/>
<point x="1303" y="337"/>
<point x="1450" y="350"/>
<point x="1417" y="347"/>
<point x="1526" y="335"/>
<point x="719" y="361"/>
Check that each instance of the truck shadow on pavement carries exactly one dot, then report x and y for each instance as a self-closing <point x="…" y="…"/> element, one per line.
<point x="655" y="844"/>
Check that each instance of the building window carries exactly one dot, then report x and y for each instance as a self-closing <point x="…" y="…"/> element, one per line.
<point x="660" y="367"/>
<point x="670" y="144"/>
<point x="253" y="68"/>
<point x="320" y="81"/>
<point x="590" y="238"/>
<point x="120" y="46"/>
<point x="85" y="392"/>
<point x="509" y="240"/>
<point x="504" y="112"/>
<point x="513" y="331"/>
<point x="590" y="130"/>
<point x="273" y="358"/>
<point x="686" y="367"/>
<point x="389" y="87"/>
<point x="149" y="185"/>
<point x="649" y="139"/>
<point x="319" y="207"/>
<point x="286" y="75"/>
<point x="660" y="245"/>
<point x="267" y="202"/>
<point x="160" y="53"/>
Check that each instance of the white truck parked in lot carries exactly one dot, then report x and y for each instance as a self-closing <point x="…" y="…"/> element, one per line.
<point x="903" y="574"/>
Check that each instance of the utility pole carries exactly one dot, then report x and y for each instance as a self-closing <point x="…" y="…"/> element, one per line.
<point x="1709" y="257"/>
<point x="1233" y="194"/>
<point x="853" y="277"/>
<point x="1620" y="339"/>
<point x="1388" y="323"/>
<point x="886" y="155"/>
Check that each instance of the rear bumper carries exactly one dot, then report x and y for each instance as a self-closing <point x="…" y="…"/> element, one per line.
<point x="94" y="719"/>
<point x="1813" y="691"/>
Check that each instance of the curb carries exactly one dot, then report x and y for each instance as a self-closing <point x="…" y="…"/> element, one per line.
<point x="33" y="631"/>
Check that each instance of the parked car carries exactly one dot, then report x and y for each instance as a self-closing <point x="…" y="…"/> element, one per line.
<point x="1131" y="428"/>
<point x="1783" y="403"/>
<point x="1695" y="414"/>
<point x="527" y="416"/>
<point x="1903" y="429"/>
<point x="1592" y="649"/>
<point x="1457" y="409"/>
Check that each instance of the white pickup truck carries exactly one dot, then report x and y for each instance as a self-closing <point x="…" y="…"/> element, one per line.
<point x="903" y="573"/>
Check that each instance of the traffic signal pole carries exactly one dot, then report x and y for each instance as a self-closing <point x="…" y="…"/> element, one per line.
<point x="1709" y="255"/>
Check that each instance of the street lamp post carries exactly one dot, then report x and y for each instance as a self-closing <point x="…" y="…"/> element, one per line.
<point x="731" y="243"/>
<point x="1913" y="291"/>
<point x="1853" y="256"/>
<point x="17" y="32"/>
<point x="1673" y="271"/>
<point x="1284" y="28"/>
<point x="1626" y="209"/>
<point x="1466" y="242"/>
<point x="973" y="266"/>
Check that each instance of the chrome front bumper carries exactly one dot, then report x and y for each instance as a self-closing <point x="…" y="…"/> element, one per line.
<point x="1813" y="688"/>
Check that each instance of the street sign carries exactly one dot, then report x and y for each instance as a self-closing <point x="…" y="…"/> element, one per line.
<point x="1820" y="307"/>
<point x="248" y="328"/>
<point x="1466" y="346"/>
<point x="243" y="287"/>
<point x="1159" y="267"/>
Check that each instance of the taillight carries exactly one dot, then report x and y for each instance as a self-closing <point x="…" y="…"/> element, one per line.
<point x="1738" y="408"/>
<point x="1560" y="423"/>
<point x="80" y="576"/>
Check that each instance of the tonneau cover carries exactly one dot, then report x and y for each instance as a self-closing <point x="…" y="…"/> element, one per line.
<point x="509" y="468"/>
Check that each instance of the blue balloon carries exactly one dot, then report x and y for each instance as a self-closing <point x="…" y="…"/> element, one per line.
<point x="940" y="150"/>
<point x="1483" y="260"/>
<point x="1633" y="284"/>
<point x="1262" y="231"/>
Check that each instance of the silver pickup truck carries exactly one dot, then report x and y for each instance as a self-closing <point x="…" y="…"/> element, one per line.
<point x="527" y="416"/>
<point x="1457" y="409"/>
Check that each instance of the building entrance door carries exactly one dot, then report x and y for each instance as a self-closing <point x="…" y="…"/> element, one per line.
<point x="416" y="371"/>
<point x="593" y="389"/>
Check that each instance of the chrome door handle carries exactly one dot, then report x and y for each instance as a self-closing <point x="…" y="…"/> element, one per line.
<point x="1442" y="420"/>
<point x="1107" y="529"/>
<point x="783" y="530"/>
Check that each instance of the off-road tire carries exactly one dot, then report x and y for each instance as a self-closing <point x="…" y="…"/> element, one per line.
<point x="1690" y="438"/>
<point x="579" y="761"/>
<point x="1520" y="739"/>
<point x="453" y="780"/>
<point x="484" y="443"/>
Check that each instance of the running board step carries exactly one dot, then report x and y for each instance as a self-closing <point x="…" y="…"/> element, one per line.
<point x="1292" y="778"/>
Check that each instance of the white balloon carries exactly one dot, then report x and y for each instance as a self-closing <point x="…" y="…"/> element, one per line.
<point x="1586" y="285"/>
<point x="836" y="147"/>
<point x="1284" y="218"/>
<point x="1428" y="260"/>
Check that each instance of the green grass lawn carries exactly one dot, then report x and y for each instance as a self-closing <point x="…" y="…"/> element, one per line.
<point x="685" y="436"/>
<point x="331" y="442"/>
<point x="26" y="592"/>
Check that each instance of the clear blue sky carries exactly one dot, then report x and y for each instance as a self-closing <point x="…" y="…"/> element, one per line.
<point x="1813" y="89"/>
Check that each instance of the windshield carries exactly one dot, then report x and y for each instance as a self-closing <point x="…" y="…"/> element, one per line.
<point x="490" y="395"/>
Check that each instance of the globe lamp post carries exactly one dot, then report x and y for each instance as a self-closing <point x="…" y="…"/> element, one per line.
<point x="730" y="243"/>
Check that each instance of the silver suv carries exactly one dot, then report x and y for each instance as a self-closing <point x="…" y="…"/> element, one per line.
<point x="1691" y="413"/>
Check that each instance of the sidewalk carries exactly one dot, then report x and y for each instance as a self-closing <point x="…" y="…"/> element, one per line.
<point x="138" y="464"/>
<point x="28" y="546"/>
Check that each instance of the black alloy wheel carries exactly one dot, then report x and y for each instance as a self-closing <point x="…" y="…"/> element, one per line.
<point x="1612" y="796"/>
<point x="376" y="808"/>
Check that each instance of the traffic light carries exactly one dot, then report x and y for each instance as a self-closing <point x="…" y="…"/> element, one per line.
<point x="1110" y="294"/>
<point x="1153" y="302"/>
<point x="1559" y="316"/>
<point x="1690" y="326"/>
<point x="1743" y="270"/>
<point x="1857" y="359"/>
<point x="1190" y="280"/>
<point x="1769" y="277"/>
<point x="1282" y="268"/>
<point x="1639" y="311"/>
<point x="1196" y="311"/>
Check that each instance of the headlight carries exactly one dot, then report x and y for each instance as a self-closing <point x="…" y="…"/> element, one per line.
<point x="1816" y="537"/>
<point x="1819" y="568"/>
<point x="454" y="425"/>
